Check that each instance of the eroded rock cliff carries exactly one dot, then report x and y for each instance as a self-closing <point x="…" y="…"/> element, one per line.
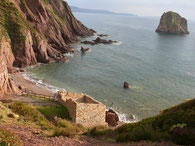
<point x="172" y="23"/>
<point x="36" y="31"/>
<point x="6" y="60"/>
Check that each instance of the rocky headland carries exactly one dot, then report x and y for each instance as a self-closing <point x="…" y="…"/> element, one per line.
<point x="172" y="23"/>
<point x="33" y="31"/>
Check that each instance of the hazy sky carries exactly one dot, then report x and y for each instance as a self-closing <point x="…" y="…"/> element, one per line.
<point x="140" y="7"/>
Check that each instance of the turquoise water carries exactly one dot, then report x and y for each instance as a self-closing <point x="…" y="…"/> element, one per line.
<point x="160" y="68"/>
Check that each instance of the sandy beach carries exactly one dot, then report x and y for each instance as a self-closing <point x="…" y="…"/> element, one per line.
<point x="36" y="89"/>
<point x="32" y="88"/>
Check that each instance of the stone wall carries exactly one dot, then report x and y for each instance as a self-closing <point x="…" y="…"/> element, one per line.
<point x="71" y="106"/>
<point x="83" y="109"/>
<point x="90" y="115"/>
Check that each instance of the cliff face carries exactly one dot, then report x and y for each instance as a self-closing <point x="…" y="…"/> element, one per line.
<point x="37" y="31"/>
<point x="6" y="60"/>
<point x="173" y="23"/>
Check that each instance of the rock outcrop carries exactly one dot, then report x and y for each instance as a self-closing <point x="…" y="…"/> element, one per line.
<point x="84" y="50"/>
<point x="6" y="60"/>
<point x="97" y="41"/>
<point x="112" y="118"/>
<point x="172" y="23"/>
<point x="36" y="31"/>
<point x="102" y="35"/>
<point x="126" y="85"/>
<point x="40" y="30"/>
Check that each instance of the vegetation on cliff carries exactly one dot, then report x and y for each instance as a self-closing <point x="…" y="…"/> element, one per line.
<point x="172" y="23"/>
<point x="175" y="124"/>
<point x="37" y="31"/>
<point x="40" y="30"/>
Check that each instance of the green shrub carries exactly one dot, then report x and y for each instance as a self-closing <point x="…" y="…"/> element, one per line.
<point x="183" y="136"/>
<point x="159" y="127"/>
<point x="138" y="133"/>
<point x="178" y="125"/>
<point x="97" y="131"/>
<point x="7" y="138"/>
<point x="182" y="113"/>
<point x="59" y="131"/>
<point x="74" y="128"/>
<point x="51" y="112"/>
<point x="30" y="114"/>
<point x="66" y="128"/>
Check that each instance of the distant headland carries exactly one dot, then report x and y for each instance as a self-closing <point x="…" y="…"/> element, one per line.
<point x="83" y="10"/>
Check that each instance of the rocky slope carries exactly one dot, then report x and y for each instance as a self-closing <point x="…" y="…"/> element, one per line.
<point x="173" y="23"/>
<point x="35" y="31"/>
<point x="6" y="61"/>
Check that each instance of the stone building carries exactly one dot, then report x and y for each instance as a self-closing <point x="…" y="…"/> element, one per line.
<point x="83" y="109"/>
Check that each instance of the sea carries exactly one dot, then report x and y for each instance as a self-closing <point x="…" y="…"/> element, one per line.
<point x="160" y="68"/>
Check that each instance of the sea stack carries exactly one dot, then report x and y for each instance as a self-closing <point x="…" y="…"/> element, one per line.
<point x="126" y="85"/>
<point x="172" y="23"/>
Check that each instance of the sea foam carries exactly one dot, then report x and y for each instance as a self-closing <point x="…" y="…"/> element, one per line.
<point x="30" y="77"/>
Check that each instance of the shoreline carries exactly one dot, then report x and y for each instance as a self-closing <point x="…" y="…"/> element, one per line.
<point x="20" y="80"/>
<point x="43" y="89"/>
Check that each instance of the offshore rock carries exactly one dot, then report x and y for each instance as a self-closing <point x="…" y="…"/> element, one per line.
<point x="172" y="23"/>
<point x="84" y="50"/>
<point x="97" y="41"/>
<point x="102" y="41"/>
<point x="126" y="85"/>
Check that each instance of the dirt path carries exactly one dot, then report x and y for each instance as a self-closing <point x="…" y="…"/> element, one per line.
<point x="33" y="89"/>
<point x="29" y="138"/>
<point x="28" y="100"/>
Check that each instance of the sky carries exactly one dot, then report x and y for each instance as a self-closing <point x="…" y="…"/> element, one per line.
<point x="186" y="8"/>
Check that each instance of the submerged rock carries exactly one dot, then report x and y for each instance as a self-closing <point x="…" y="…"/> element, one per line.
<point x="172" y="23"/>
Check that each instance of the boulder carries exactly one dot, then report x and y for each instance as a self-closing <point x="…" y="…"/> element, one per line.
<point x="126" y="85"/>
<point x="22" y="70"/>
<point x="84" y="50"/>
<point x="11" y="69"/>
<point x="102" y="35"/>
<point x="132" y="117"/>
<point x="172" y="23"/>
<point x="112" y="118"/>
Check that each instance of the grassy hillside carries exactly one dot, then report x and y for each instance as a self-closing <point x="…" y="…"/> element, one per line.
<point x="175" y="124"/>
<point x="50" y="121"/>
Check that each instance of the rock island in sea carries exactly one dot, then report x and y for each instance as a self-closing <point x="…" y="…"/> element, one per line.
<point x="172" y="23"/>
